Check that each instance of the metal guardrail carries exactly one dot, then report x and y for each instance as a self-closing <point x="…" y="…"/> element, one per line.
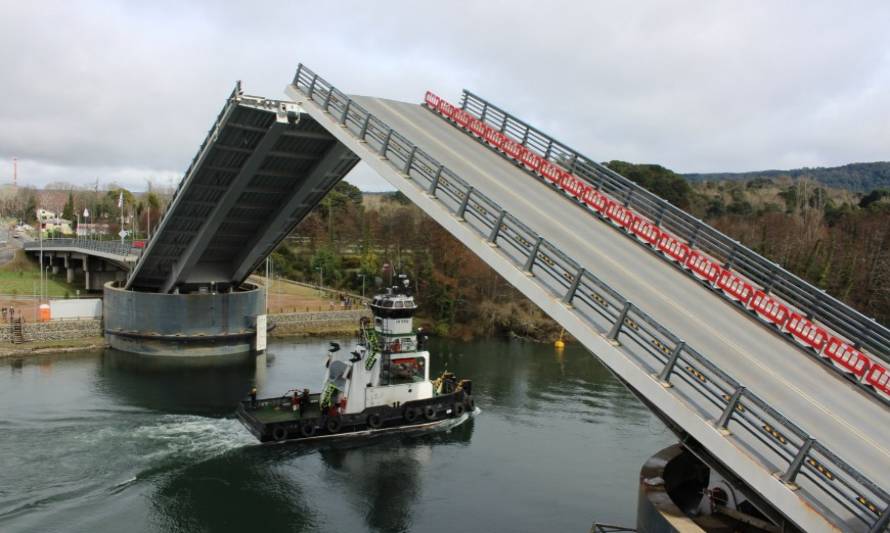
<point x="122" y="249"/>
<point x="816" y="303"/>
<point x="779" y="442"/>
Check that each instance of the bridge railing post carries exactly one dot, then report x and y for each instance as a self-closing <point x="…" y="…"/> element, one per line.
<point x="364" y="131"/>
<point x="493" y="236"/>
<point x="327" y="99"/>
<point x="622" y="316"/>
<point x="435" y="183"/>
<point x="570" y="294"/>
<point x="731" y="405"/>
<point x="312" y="85"/>
<point x="880" y="526"/>
<point x="530" y="262"/>
<point x="385" y="146"/>
<point x="345" y="111"/>
<point x="462" y="210"/>
<point x="407" y="168"/>
<point x="665" y="375"/>
<point x="790" y="474"/>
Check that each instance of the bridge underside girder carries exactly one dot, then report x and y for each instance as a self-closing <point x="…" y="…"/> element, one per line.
<point x="262" y="168"/>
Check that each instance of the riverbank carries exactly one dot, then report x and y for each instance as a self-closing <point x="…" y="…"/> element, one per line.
<point x="80" y="335"/>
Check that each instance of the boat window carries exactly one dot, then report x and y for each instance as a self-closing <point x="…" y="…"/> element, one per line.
<point x="399" y="304"/>
<point x="407" y="370"/>
<point x="387" y="303"/>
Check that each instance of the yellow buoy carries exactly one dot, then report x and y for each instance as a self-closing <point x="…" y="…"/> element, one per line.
<point x="560" y="344"/>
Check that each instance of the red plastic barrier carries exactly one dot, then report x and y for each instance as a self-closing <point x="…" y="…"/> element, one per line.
<point x="806" y="333"/>
<point x="735" y="287"/>
<point x="595" y="199"/>
<point x="572" y="184"/>
<point x="551" y="171"/>
<point x="461" y="117"/>
<point x="619" y="214"/>
<point x="138" y="244"/>
<point x="432" y="100"/>
<point x="531" y="160"/>
<point x="673" y="248"/>
<point x="512" y="148"/>
<point x="847" y="358"/>
<point x="645" y="230"/>
<point x="446" y="108"/>
<point x="703" y="267"/>
<point x="771" y="309"/>
<point x="879" y="378"/>
<point x="495" y="138"/>
<point x="477" y="127"/>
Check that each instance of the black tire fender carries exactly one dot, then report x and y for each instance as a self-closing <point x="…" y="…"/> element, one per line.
<point x="279" y="434"/>
<point x="458" y="409"/>
<point x="333" y="424"/>
<point x="411" y="414"/>
<point x="429" y="412"/>
<point x="471" y="405"/>
<point x="307" y="429"/>
<point x="374" y="421"/>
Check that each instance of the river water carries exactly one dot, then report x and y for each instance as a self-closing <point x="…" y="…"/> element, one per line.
<point x="106" y="441"/>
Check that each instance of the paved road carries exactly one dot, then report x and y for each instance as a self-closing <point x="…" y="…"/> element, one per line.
<point x="845" y="419"/>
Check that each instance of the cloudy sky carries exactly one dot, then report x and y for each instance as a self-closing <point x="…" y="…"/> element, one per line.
<point x="125" y="92"/>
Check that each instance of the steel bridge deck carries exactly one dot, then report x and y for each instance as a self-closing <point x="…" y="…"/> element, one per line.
<point x="835" y="412"/>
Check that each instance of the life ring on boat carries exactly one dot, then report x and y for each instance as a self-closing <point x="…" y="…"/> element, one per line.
<point x="333" y="424"/>
<point x="279" y="433"/>
<point x="374" y="421"/>
<point x="429" y="412"/>
<point x="458" y="409"/>
<point x="307" y="429"/>
<point x="411" y="414"/>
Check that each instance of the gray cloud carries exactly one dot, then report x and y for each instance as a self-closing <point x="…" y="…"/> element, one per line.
<point x="123" y="93"/>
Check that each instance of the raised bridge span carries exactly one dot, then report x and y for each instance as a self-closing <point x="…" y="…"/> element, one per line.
<point x="779" y="384"/>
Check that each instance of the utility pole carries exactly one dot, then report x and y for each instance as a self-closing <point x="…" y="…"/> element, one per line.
<point x="15" y="171"/>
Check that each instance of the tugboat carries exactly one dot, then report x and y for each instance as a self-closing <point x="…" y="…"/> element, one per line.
<point x="383" y="385"/>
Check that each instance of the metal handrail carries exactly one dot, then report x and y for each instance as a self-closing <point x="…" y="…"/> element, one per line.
<point x="637" y="334"/>
<point x="814" y="302"/>
<point x="123" y="249"/>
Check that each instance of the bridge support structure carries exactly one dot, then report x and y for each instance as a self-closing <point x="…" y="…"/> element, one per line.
<point x="191" y="325"/>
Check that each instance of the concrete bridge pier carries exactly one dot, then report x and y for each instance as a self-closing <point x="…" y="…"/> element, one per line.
<point x="197" y="324"/>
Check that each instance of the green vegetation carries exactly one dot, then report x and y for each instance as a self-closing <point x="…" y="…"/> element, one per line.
<point x="21" y="277"/>
<point x="346" y="239"/>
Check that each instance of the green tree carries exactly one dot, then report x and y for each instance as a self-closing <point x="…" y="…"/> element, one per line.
<point x="658" y="180"/>
<point x="68" y="210"/>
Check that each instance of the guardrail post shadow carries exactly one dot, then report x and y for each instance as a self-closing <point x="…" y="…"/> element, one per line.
<point x="570" y="294"/>
<point x="530" y="262"/>
<point x="726" y="416"/>
<point x="664" y="377"/>
<point x="790" y="474"/>
<point x="493" y="237"/>
<point x="616" y="327"/>
<point x="461" y="211"/>
<point x="435" y="183"/>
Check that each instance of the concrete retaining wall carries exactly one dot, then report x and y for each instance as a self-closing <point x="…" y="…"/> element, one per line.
<point x="54" y="331"/>
<point x="306" y="323"/>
